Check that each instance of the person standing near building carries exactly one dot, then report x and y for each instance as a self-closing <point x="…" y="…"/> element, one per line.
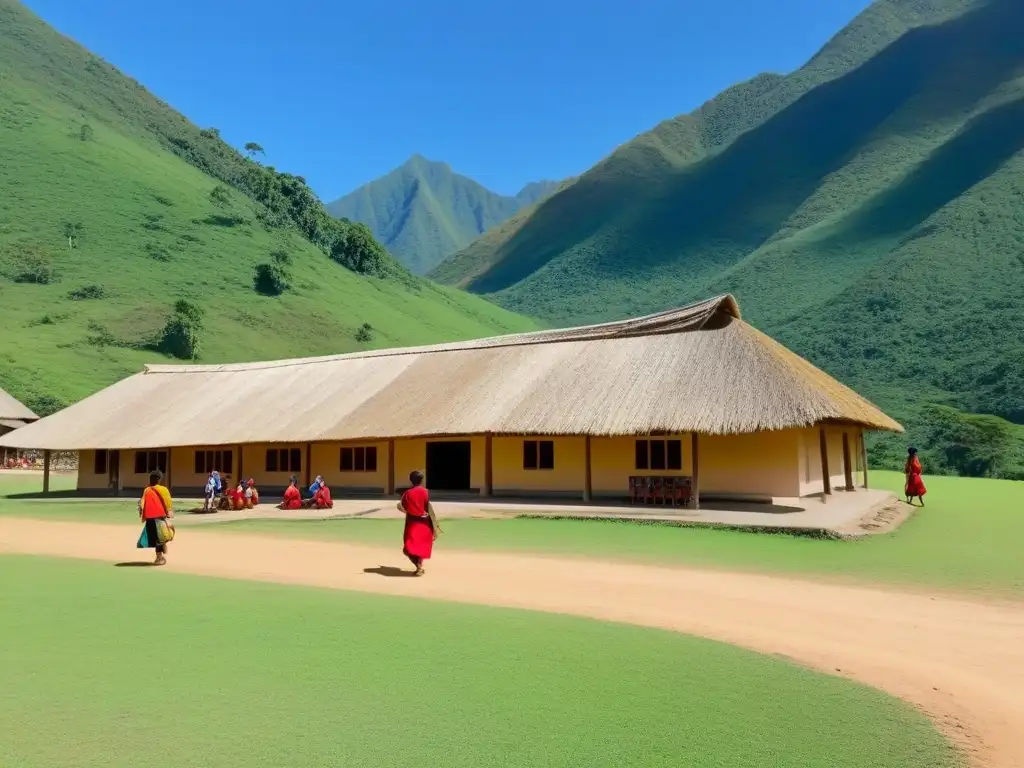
<point x="156" y="511"/>
<point x="421" y="528"/>
<point x="915" y="484"/>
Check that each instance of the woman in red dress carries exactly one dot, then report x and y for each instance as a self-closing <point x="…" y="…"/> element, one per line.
<point x="322" y="497"/>
<point x="292" y="497"/>
<point x="421" y="527"/>
<point x="915" y="485"/>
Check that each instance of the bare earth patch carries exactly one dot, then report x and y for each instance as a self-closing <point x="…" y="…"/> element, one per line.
<point x="961" y="661"/>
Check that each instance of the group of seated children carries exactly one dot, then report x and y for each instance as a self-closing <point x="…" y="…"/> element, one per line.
<point x="319" y="495"/>
<point x="218" y="494"/>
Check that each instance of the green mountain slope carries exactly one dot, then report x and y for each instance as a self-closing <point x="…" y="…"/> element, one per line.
<point x="113" y="207"/>
<point x="423" y="211"/>
<point x="866" y="210"/>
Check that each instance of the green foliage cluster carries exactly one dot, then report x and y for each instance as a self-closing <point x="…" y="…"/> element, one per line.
<point x="284" y="199"/>
<point x="274" y="277"/>
<point x="423" y="211"/>
<point x="180" y="337"/>
<point x="87" y="292"/>
<point x="33" y="265"/>
<point x="884" y="242"/>
<point x="970" y="444"/>
<point x="364" y="334"/>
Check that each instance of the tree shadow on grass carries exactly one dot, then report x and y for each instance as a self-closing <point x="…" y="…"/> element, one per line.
<point x="390" y="571"/>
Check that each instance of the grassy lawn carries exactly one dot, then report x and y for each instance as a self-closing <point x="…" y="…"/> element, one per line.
<point x="169" y="669"/>
<point x="966" y="539"/>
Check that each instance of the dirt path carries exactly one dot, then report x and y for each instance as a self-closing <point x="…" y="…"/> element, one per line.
<point x="962" y="662"/>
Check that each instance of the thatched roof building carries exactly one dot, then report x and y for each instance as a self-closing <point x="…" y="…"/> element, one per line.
<point x="696" y="369"/>
<point x="658" y="381"/>
<point x="13" y="414"/>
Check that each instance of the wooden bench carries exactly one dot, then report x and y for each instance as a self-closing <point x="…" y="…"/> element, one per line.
<point x="660" y="489"/>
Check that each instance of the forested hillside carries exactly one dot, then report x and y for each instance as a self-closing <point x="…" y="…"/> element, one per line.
<point x="866" y="210"/>
<point x="127" y="234"/>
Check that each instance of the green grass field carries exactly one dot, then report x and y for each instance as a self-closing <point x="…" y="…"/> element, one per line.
<point x="965" y="539"/>
<point x="110" y="667"/>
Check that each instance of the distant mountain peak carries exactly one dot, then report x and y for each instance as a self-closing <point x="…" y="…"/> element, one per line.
<point x="423" y="211"/>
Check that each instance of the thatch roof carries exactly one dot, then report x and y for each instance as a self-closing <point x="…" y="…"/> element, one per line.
<point x="699" y="368"/>
<point x="12" y="410"/>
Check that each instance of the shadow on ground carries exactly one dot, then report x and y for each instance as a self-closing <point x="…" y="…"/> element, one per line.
<point x="390" y="571"/>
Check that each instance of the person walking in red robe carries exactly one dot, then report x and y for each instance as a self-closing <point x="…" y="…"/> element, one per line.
<point x="915" y="485"/>
<point x="421" y="528"/>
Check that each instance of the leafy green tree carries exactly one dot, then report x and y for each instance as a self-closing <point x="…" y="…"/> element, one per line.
<point x="180" y="336"/>
<point x="356" y="248"/>
<point x="253" y="149"/>
<point x="274" y="278"/>
<point x="364" y="333"/>
<point x="85" y="133"/>
<point x="220" y="196"/>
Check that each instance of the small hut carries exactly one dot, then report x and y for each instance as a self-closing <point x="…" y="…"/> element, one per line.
<point x="13" y="415"/>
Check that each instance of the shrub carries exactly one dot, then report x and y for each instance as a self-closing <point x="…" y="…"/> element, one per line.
<point x="44" y="405"/>
<point x="88" y="292"/>
<point x="36" y="267"/>
<point x="219" y="195"/>
<point x="180" y="336"/>
<point x="364" y="333"/>
<point x="270" y="280"/>
<point x="157" y="252"/>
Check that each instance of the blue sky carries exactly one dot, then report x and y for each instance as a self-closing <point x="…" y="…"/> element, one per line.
<point x="505" y="92"/>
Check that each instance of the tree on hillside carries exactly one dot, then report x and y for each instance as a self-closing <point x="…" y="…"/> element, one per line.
<point x="274" y="278"/>
<point x="72" y="231"/>
<point x="253" y="149"/>
<point x="180" y="336"/>
<point x="356" y="248"/>
<point x="220" y="196"/>
<point x="85" y="132"/>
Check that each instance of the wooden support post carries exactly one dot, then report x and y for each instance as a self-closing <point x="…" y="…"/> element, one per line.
<point x="826" y="477"/>
<point x="120" y="474"/>
<point x="391" y="467"/>
<point x="241" y="467"/>
<point x="847" y="462"/>
<point x="588" y="478"/>
<point x="695" y="479"/>
<point x="488" y="489"/>
<point x="864" y="458"/>
<point x="309" y="463"/>
<point x="170" y="463"/>
<point x="46" y="473"/>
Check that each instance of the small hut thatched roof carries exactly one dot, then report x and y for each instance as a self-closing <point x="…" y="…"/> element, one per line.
<point x="13" y="411"/>
<point x="696" y="369"/>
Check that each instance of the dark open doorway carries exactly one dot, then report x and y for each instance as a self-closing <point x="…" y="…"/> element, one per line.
<point x="448" y="466"/>
<point x="114" y="470"/>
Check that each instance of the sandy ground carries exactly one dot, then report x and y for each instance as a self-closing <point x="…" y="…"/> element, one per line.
<point x="961" y="661"/>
